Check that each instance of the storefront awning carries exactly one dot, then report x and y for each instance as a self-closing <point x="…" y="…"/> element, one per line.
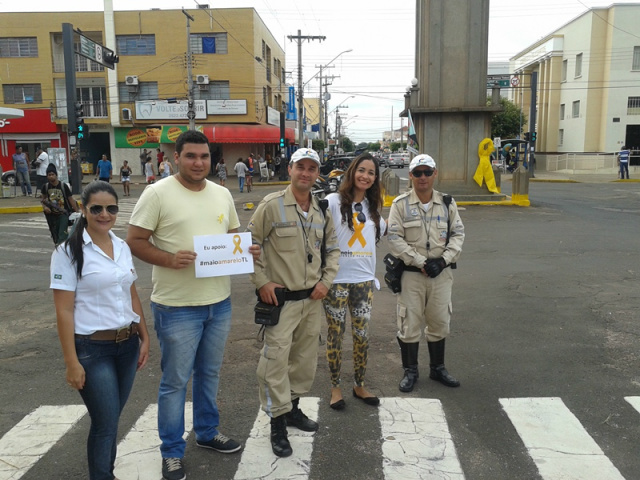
<point x="234" y="133"/>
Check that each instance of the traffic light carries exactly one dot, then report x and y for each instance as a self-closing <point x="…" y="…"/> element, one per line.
<point x="79" y="114"/>
<point x="109" y="57"/>
<point x="533" y="136"/>
<point x="281" y="143"/>
<point x="527" y="136"/>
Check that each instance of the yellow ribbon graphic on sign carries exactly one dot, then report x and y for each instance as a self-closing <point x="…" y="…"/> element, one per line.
<point x="484" y="170"/>
<point x="236" y="243"/>
<point x="357" y="227"/>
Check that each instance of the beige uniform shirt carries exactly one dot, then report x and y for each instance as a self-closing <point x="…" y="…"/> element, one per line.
<point x="415" y="235"/>
<point x="289" y="240"/>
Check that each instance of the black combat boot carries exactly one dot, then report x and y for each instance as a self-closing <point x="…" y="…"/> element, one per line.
<point x="295" y="418"/>
<point x="436" y="364"/>
<point x="279" y="441"/>
<point x="409" y="354"/>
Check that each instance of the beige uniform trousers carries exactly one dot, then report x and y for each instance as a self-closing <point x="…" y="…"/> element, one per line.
<point x="424" y="305"/>
<point x="288" y="360"/>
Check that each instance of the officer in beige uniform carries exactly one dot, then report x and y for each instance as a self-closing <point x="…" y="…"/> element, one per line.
<point x="291" y="227"/>
<point x="427" y="236"/>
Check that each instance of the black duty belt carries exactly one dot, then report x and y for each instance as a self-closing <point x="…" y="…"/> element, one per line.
<point x="297" y="294"/>
<point x="407" y="268"/>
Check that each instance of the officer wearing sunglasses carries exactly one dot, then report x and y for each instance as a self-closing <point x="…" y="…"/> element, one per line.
<point x="427" y="236"/>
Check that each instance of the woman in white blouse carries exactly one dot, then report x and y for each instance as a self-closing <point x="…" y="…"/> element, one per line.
<point x="101" y="325"/>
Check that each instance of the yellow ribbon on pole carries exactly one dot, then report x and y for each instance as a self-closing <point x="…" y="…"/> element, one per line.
<point x="236" y="242"/>
<point x="484" y="170"/>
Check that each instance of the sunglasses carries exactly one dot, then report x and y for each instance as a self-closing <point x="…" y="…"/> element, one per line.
<point x="419" y="173"/>
<point x="361" y="217"/>
<point x="97" y="209"/>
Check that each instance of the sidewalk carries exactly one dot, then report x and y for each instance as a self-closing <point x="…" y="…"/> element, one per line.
<point x="22" y="204"/>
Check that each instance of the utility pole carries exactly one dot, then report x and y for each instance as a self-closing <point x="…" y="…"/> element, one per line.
<point x="299" y="38"/>
<point x="191" y="113"/>
<point x="320" y="101"/>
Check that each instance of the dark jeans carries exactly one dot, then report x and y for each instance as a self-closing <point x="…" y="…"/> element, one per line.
<point x="110" y="369"/>
<point x="624" y="167"/>
<point x="58" y="226"/>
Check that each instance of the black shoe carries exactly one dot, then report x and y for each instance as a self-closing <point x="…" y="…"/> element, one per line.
<point x="296" y="418"/>
<point x="279" y="441"/>
<point x="221" y="443"/>
<point x="410" y="379"/>
<point x="373" y="400"/>
<point x="339" y="405"/>
<point x="440" y="374"/>
<point x="173" y="469"/>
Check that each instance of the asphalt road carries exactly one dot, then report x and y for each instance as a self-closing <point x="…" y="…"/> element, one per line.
<point x="546" y="304"/>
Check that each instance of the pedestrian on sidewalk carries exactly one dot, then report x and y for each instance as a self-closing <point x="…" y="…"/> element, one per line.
<point x="623" y="160"/>
<point x="192" y="316"/>
<point x="105" y="169"/>
<point x="101" y="324"/>
<point x="21" y="167"/>
<point x="355" y="210"/>
<point x="426" y="234"/>
<point x="300" y="255"/>
<point x="241" y="170"/>
<point x="57" y="205"/>
<point x="42" y="162"/>
<point x="125" y="177"/>
<point x="221" y="169"/>
<point x="149" y="172"/>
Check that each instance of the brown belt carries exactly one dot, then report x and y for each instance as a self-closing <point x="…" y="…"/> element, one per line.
<point x="119" y="335"/>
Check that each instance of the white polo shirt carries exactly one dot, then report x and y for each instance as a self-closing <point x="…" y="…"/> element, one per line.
<point x="103" y="294"/>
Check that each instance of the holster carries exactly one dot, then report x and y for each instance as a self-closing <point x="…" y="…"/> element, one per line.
<point x="267" y="314"/>
<point x="393" y="276"/>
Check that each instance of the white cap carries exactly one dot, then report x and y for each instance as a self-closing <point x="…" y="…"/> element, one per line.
<point x="303" y="153"/>
<point x="422" y="160"/>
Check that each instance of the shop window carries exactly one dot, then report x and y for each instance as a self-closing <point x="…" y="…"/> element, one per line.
<point x="136" y="44"/>
<point x="22" y="93"/>
<point x="18" y="47"/>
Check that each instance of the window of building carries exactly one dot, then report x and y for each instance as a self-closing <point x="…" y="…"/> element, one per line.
<point x="136" y="44"/>
<point x="633" y="106"/>
<point x="22" y="93"/>
<point x="218" y="90"/>
<point x="142" y="91"/>
<point x="565" y="66"/>
<point x="18" y="47"/>
<point x="575" y="109"/>
<point x="94" y="100"/>
<point x="208" y="43"/>
<point x="561" y="136"/>
<point x="636" y="59"/>
<point x="562" y="112"/>
<point x="578" y="65"/>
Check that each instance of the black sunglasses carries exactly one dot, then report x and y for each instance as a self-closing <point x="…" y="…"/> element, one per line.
<point x="361" y="217"/>
<point x="419" y="173"/>
<point x="97" y="209"/>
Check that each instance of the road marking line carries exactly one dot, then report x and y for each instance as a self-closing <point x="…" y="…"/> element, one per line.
<point x="139" y="452"/>
<point x="416" y="442"/>
<point x="258" y="460"/>
<point x="556" y="441"/>
<point x="32" y="437"/>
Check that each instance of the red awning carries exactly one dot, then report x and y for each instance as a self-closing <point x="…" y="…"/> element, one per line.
<point x="236" y="133"/>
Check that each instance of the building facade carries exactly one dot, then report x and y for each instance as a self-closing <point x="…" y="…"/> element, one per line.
<point x="237" y="72"/>
<point x="588" y="83"/>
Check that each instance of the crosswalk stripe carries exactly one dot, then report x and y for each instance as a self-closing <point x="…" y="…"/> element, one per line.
<point x="556" y="441"/>
<point x="634" y="402"/>
<point x="416" y="442"/>
<point x="26" y="443"/>
<point x="258" y="460"/>
<point x="139" y="453"/>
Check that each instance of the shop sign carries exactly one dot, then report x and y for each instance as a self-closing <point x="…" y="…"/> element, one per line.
<point x="150" y="137"/>
<point x="227" y="107"/>
<point x="273" y="116"/>
<point x="162" y="110"/>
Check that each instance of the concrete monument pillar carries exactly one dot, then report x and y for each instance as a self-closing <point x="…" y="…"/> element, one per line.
<point x="449" y="102"/>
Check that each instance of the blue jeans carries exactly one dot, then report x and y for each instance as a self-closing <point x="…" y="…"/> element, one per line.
<point x="110" y="369"/>
<point x="192" y="340"/>
<point x="25" y="181"/>
<point x="624" y="167"/>
<point x="241" y="183"/>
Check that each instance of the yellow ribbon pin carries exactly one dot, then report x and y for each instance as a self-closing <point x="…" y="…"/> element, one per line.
<point x="236" y="243"/>
<point x="357" y="235"/>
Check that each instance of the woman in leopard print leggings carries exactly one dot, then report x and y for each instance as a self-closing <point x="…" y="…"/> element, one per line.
<point x="355" y="210"/>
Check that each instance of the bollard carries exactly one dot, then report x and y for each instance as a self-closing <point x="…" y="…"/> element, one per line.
<point x="520" y="187"/>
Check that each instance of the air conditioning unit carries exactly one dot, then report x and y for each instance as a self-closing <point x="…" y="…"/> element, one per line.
<point x="202" y="79"/>
<point x="126" y="114"/>
<point x="131" y="80"/>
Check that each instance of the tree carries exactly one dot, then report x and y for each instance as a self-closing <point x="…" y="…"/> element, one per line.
<point x="318" y="145"/>
<point x="506" y="124"/>
<point x="374" y="147"/>
<point x="395" y="146"/>
<point x="362" y="146"/>
<point x="347" y="144"/>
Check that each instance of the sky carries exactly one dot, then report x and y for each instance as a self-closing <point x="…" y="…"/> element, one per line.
<point x="371" y="79"/>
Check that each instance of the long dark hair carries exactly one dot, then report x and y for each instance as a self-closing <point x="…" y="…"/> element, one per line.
<point x="373" y="193"/>
<point x="75" y="241"/>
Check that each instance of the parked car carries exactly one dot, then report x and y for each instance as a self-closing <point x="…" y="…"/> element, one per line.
<point x="406" y="158"/>
<point x="397" y="160"/>
<point x="9" y="177"/>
